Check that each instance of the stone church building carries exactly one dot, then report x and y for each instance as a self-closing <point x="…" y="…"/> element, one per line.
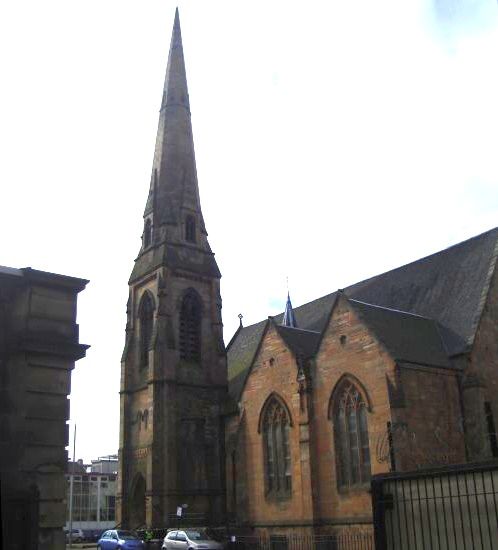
<point x="282" y="429"/>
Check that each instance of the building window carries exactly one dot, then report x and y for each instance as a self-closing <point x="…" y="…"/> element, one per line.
<point x="190" y="229"/>
<point x="276" y="450"/>
<point x="490" y="427"/>
<point x="147" y="239"/>
<point x="190" y="327"/>
<point x="146" y="314"/>
<point x="352" y="452"/>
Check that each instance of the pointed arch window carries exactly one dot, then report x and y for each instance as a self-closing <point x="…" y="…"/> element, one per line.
<point x="190" y="327"/>
<point x="147" y="233"/>
<point x="146" y="315"/>
<point x="276" y="450"/>
<point x="352" y="451"/>
<point x="190" y="233"/>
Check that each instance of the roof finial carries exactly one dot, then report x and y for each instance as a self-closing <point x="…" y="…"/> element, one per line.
<point x="240" y="316"/>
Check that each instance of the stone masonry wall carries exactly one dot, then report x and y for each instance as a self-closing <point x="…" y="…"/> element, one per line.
<point x="274" y="371"/>
<point x="483" y="366"/>
<point x="347" y="348"/>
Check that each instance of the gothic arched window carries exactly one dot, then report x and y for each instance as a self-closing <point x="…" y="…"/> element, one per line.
<point x="190" y="229"/>
<point x="147" y="233"/>
<point x="146" y="316"/>
<point x="190" y="327"/>
<point x="352" y="451"/>
<point x="276" y="449"/>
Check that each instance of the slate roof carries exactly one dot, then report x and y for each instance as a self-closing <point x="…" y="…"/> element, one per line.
<point x="301" y="342"/>
<point x="449" y="287"/>
<point x="408" y="337"/>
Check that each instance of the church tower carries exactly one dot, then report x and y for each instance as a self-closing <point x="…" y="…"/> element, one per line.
<point x="173" y="373"/>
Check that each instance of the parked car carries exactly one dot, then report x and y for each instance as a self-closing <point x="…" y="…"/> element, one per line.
<point x="118" y="539"/>
<point x="77" y="535"/>
<point x="190" y="539"/>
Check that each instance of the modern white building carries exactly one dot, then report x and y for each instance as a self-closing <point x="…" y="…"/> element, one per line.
<point x="94" y="495"/>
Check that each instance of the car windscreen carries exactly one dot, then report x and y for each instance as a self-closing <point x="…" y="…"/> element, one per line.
<point x="197" y="534"/>
<point x="127" y="535"/>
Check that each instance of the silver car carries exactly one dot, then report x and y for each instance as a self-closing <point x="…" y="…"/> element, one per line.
<point x="190" y="539"/>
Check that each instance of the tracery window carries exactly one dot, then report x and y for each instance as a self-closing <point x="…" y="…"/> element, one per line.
<point x="276" y="427"/>
<point x="352" y="450"/>
<point x="190" y="327"/>
<point x="146" y="314"/>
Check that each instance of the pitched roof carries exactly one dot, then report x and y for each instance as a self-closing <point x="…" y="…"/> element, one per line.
<point x="240" y="356"/>
<point x="301" y="342"/>
<point x="449" y="287"/>
<point x="408" y="337"/>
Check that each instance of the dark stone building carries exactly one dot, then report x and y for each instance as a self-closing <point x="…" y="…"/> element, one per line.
<point x="173" y="376"/>
<point x="38" y="348"/>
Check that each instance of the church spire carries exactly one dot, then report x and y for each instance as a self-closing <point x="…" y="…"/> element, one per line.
<point x="174" y="231"/>
<point x="289" y="319"/>
<point x="174" y="188"/>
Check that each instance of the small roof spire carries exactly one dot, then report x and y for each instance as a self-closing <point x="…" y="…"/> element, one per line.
<point x="289" y="319"/>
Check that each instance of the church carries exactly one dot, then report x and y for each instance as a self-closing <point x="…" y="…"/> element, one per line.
<point x="281" y="430"/>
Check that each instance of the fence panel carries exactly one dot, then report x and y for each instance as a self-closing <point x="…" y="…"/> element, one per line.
<point x="448" y="508"/>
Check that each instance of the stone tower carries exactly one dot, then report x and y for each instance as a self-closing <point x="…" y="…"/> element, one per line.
<point x="173" y="373"/>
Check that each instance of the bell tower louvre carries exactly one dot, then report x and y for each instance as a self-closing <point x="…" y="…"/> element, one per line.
<point x="173" y="368"/>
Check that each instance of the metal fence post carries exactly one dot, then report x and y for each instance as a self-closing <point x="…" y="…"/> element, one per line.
<point x="378" y="515"/>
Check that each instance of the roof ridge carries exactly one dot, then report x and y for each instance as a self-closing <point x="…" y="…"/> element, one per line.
<point x="434" y="254"/>
<point x="298" y="329"/>
<point x="485" y="291"/>
<point x="392" y="309"/>
<point x="373" y="277"/>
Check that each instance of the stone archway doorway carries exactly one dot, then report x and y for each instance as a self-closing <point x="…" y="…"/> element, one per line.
<point x="137" y="502"/>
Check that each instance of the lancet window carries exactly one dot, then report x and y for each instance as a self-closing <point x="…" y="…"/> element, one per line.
<point x="276" y="449"/>
<point x="147" y="239"/>
<point x="146" y="315"/>
<point x="190" y="235"/>
<point x="352" y="451"/>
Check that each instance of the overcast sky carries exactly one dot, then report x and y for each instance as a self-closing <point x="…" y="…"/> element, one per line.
<point x="334" y="141"/>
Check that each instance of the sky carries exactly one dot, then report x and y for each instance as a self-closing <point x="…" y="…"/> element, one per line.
<point x="334" y="141"/>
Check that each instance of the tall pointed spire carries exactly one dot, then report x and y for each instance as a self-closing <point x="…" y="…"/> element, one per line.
<point x="175" y="91"/>
<point x="173" y="221"/>
<point x="289" y="319"/>
<point x="174" y="175"/>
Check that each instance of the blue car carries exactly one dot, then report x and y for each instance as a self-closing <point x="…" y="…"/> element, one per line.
<point x="115" y="538"/>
